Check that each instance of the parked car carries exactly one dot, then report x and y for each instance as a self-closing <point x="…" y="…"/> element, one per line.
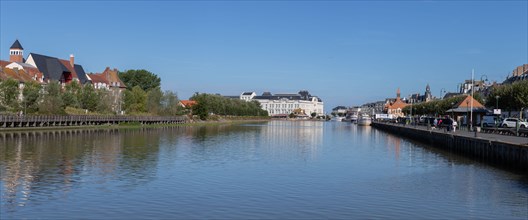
<point x="512" y="122"/>
<point x="491" y="121"/>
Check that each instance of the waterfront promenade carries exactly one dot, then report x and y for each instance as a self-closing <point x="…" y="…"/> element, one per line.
<point x="504" y="150"/>
<point x="471" y="134"/>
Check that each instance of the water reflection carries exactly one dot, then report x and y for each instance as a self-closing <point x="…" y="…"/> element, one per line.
<point x="278" y="137"/>
<point x="50" y="163"/>
<point x="277" y="169"/>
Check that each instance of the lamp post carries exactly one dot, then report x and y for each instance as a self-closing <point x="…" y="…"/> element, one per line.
<point x="497" y="109"/>
<point x="472" y="94"/>
<point x="452" y="110"/>
<point x="411" y="109"/>
<point x="482" y="77"/>
<point x="467" y="113"/>
<point x="497" y="102"/>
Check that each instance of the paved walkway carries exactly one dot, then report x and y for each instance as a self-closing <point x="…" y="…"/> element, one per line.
<point x="488" y="136"/>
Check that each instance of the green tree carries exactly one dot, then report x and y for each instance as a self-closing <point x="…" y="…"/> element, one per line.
<point x="51" y="102"/>
<point x="219" y="105"/>
<point x="154" y="97"/>
<point x="9" y="94"/>
<point x="511" y="97"/>
<point x="104" y="105"/>
<point x="169" y="104"/>
<point x="436" y="107"/>
<point x="31" y="93"/>
<point x="71" y="94"/>
<point x="135" y="100"/>
<point x="89" y="98"/>
<point x="142" y="78"/>
<point x="520" y="94"/>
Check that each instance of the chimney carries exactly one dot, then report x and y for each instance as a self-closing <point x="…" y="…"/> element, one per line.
<point x="72" y="58"/>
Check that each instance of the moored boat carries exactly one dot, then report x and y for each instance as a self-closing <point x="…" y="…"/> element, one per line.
<point x="364" y="120"/>
<point x="339" y="118"/>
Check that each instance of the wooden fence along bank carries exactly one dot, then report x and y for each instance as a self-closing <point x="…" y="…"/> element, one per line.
<point x="11" y="121"/>
<point x="509" y="155"/>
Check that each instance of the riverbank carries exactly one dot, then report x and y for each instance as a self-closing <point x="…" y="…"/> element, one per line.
<point x="505" y="151"/>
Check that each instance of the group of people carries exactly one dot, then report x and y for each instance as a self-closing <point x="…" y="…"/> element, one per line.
<point x="446" y="122"/>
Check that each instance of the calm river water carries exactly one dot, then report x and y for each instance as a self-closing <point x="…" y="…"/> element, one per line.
<point x="277" y="169"/>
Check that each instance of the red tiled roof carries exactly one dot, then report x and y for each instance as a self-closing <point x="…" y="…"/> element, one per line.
<point x="67" y="64"/>
<point x="467" y="103"/>
<point x="19" y="75"/>
<point x="4" y="63"/>
<point x="188" y="103"/>
<point x="98" y="78"/>
<point x="112" y="76"/>
<point x="108" y="76"/>
<point x="398" y="104"/>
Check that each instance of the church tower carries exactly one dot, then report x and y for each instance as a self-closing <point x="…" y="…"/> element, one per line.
<point x="16" y="52"/>
<point x="428" y="95"/>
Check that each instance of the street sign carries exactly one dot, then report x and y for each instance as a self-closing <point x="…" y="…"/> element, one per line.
<point x="496" y="111"/>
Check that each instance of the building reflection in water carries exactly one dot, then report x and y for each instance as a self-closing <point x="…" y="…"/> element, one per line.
<point x="292" y="139"/>
<point x="51" y="163"/>
<point x="40" y="166"/>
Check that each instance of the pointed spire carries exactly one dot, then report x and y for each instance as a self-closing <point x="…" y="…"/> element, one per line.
<point x="16" y="45"/>
<point x="398" y="93"/>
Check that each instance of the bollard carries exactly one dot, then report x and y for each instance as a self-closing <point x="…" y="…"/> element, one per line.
<point x="516" y="128"/>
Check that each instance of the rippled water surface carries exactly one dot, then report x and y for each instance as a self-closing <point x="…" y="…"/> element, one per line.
<point x="277" y="169"/>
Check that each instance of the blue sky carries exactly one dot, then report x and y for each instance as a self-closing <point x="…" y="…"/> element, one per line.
<point x="346" y="52"/>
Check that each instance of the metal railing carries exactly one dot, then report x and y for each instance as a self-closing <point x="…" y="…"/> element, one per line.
<point x="74" y="120"/>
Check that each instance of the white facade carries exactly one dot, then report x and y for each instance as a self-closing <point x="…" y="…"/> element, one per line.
<point x="15" y="65"/>
<point x="16" y="52"/>
<point x="287" y="106"/>
<point x="31" y="61"/>
<point x="247" y="96"/>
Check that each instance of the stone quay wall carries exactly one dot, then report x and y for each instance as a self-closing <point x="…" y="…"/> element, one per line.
<point x="504" y="154"/>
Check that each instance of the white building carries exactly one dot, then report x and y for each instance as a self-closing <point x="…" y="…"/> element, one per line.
<point x="301" y="103"/>
<point x="247" y="96"/>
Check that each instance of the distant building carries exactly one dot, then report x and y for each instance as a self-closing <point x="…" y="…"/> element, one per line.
<point x="468" y="85"/>
<point x="395" y="108"/>
<point x="451" y="94"/>
<point x="187" y="103"/>
<point x="16" y="53"/>
<point x="43" y="69"/>
<point x="339" y="110"/>
<point x="247" y="96"/>
<point x="518" y="74"/>
<point x="463" y="110"/>
<point x="426" y="97"/>
<point x="55" y="69"/>
<point x="17" y="63"/>
<point x="284" y="104"/>
<point x="374" y="107"/>
<point x="109" y="80"/>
